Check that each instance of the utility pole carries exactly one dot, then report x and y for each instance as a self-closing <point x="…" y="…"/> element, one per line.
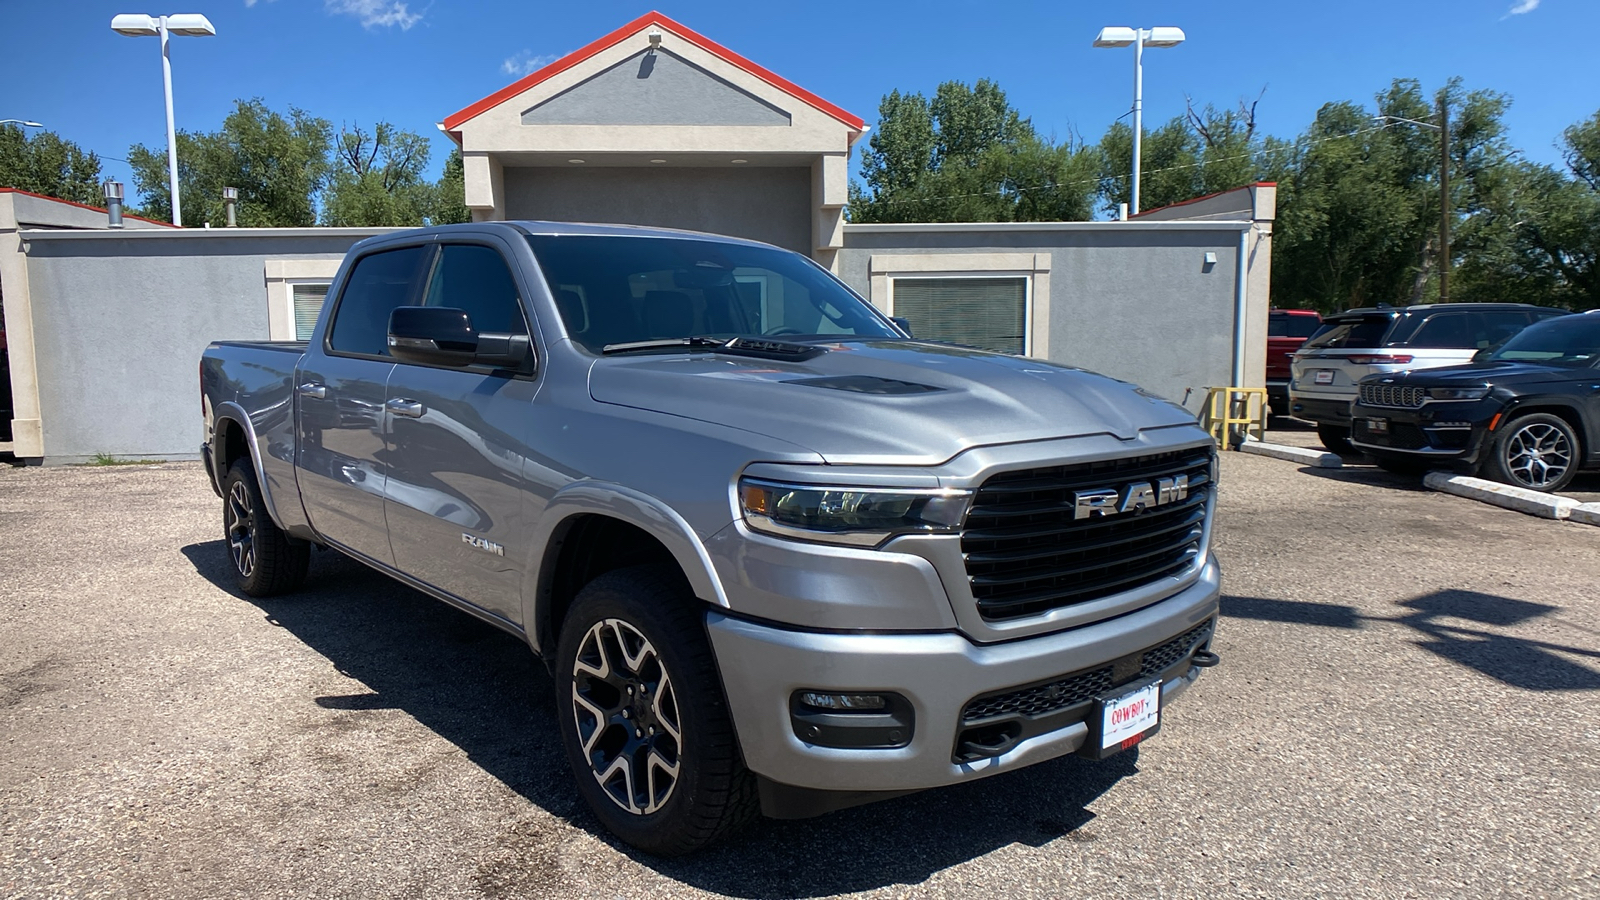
<point x="1444" y="198"/>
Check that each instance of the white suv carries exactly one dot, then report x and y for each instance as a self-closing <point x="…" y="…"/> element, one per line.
<point x="1361" y="342"/>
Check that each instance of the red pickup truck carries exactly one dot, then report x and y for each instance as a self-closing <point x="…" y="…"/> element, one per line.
<point x="1287" y="329"/>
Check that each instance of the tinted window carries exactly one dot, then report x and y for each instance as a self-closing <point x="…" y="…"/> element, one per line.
<point x="1286" y="325"/>
<point x="376" y="285"/>
<point x="1564" y="341"/>
<point x="1335" y="334"/>
<point x="477" y="279"/>
<point x="1467" y="330"/>
<point x="616" y="289"/>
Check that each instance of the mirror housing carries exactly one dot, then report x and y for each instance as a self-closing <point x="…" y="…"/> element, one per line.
<point x="443" y="336"/>
<point x="902" y="323"/>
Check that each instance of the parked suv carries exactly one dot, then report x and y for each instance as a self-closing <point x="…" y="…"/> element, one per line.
<point x="1287" y="329"/>
<point x="1384" y="340"/>
<point x="1527" y="413"/>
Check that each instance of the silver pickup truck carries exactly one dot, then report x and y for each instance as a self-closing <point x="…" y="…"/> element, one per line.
<point x="778" y="555"/>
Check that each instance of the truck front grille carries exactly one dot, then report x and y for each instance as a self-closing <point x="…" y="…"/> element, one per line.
<point x="1392" y="396"/>
<point x="1027" y="554"/>
<point x="1080" y="687"/>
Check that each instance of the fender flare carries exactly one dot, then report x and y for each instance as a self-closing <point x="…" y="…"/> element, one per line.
<point x="1544" y="402"/>
<point x="615" y="501"/>
<point x="229" y="411"/>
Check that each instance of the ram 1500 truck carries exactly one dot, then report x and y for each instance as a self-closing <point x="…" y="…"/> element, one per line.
<point x="778" y="555"/>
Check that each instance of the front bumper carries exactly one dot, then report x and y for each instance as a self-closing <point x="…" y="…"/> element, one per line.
<point x="1445" y="432"/>
<point x="938" y="673"/>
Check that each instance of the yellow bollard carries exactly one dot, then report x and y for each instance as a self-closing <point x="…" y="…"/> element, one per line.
<point x="1231" y="413"/>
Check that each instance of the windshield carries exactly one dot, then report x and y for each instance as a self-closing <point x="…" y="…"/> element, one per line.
<point x="615" y="289"/>
<point x="1362" y="332"/>
<point x="1563" y="341"/>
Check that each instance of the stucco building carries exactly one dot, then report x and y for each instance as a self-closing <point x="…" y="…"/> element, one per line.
<point x="652" y="124"/>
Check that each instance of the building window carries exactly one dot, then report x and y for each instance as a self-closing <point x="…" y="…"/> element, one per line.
<point x="987" y="313"/>
<point x="996" y="301"/>
<point x="308" y="300"/>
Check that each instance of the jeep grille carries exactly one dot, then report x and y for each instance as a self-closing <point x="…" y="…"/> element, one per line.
<point x="1392" y="395"/>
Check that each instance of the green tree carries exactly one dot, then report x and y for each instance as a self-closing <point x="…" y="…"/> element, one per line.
<point x="968" y="156"/>
<point x="449" y="199"/>
<point x="48" y="164"/>
<point x="279" y="164"/>
<point x="378" y="178"/>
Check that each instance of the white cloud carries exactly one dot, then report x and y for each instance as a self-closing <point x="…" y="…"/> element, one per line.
<point x="375" y="12"/>
<point x="1520" y="7"/>
<point x="526" y="62"/>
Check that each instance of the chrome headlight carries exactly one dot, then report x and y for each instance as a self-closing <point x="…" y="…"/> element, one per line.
<point x="854" y="516"/>
<point x="1450" y="393"/>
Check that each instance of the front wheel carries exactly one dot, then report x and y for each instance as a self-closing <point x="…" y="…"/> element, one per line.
<point x="1538" y="451"/>
<point x="644" y="720"/>
<point x="1337" y="439"/>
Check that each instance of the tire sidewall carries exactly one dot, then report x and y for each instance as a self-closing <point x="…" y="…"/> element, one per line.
<point x="1498" y="464"/>
<point x="243" y="472"/>
<point x="699" y="698"/>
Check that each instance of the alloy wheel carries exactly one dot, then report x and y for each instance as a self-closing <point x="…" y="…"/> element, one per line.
<point x="240" y="523"/>
<point x="1538" y="455"/>
<point x="627" y="716"/>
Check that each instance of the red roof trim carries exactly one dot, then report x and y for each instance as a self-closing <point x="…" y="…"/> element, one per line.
<point x="8" y="190"/>
<point x="1270" y="184"/>
<point x="451" y="123"/>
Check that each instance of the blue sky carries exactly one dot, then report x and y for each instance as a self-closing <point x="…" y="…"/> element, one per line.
<point x="412" y="62"/>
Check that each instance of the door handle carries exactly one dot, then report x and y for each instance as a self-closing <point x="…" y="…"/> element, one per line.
<point x="312" y="389"/>
<point x="411" y="409"/>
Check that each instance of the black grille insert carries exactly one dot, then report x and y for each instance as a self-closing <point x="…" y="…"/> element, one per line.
<point x="1026" y="553"/>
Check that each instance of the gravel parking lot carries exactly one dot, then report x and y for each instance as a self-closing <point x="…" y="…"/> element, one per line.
<point x="1405" y="708"/>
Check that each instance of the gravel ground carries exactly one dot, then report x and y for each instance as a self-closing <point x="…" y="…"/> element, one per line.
<point x="1405" y="708"/>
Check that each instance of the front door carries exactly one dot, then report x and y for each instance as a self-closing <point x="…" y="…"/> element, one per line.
<point x="341" y="388"/>
<point x="455" y="482"/>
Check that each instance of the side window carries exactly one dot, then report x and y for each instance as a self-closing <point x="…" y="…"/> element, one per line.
<point x="1445" y="331"/>
<point x="376" y="285"/>
<point x="475" y="278"/>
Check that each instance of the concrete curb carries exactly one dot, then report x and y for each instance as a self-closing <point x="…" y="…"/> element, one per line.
<point x="1534" y="503"/>
<point x="1294" y="454"/>
<point x="1587" y="513"/>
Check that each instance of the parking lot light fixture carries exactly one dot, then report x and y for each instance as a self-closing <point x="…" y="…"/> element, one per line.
<point x="1139" y="38"/>
<point x="184" y="25"/>
<point x="25" y="123"/>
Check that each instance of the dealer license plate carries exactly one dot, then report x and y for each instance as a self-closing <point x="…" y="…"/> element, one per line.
<point x="1121" y="721"/>
<point x="1322" y="376"/>
<point x="1376" y="426"/>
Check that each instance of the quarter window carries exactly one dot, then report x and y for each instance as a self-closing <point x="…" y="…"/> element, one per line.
<point x="377" y="284"/>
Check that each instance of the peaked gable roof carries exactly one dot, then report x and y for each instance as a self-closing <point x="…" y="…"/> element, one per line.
<point x="576" y="57"/>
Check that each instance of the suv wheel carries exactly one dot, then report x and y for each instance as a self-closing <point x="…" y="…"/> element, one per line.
<point x="1337" y="439"/>
<point x="1538" y="451"/>
<point x="644" y="721"/>
<point x="266" y="560"/>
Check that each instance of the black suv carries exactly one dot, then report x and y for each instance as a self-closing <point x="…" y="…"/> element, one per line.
<point x="1527" y="413"/>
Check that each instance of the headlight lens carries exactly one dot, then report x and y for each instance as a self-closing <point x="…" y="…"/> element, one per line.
<point x="857" y="517"/>
<point x="1469" y="393"/>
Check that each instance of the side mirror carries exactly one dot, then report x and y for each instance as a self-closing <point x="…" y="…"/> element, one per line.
<point x="903" y="323"/>
<point x="443" y="336"/>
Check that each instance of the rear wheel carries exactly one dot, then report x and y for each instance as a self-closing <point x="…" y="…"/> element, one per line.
<point x="644" y="719"/>
<point x="1337" y="439"/>
<point x="266" y="561"/>
<point x="1538" y="451"/>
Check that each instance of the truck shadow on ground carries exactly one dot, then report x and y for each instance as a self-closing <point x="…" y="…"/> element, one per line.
<point x="486" y="693"/>
<point x="1464" y="627"/>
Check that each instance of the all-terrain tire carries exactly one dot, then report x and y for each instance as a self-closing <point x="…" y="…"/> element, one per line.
<point x="1337" y="439"/>
<point x="1538" y="451"/>
<point x="265" y="560"/>
<point x="645" y="628"/>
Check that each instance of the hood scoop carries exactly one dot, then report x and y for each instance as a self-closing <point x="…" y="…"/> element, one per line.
<point x="866" y="384"/>
<point x="769" y="349"/>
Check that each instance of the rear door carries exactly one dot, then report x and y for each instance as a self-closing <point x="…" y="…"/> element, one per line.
<point x="341" y="387"/>
<point x="455" y="488"/>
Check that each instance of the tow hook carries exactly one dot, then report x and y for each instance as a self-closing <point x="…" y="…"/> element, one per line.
<point x="1205" y="659"/>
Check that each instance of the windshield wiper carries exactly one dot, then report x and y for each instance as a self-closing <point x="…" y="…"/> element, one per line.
<point x="696" y="341"/>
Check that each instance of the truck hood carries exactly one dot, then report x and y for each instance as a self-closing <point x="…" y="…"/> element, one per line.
<point x="892" y="402"/>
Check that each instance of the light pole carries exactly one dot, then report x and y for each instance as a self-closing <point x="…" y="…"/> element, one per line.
<point x="186" y="24"/>
<point x="1140" y="38"/>
<point x="23" y="122"/>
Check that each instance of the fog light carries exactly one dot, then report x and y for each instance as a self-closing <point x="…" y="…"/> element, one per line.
<point x="842" y="702"/>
